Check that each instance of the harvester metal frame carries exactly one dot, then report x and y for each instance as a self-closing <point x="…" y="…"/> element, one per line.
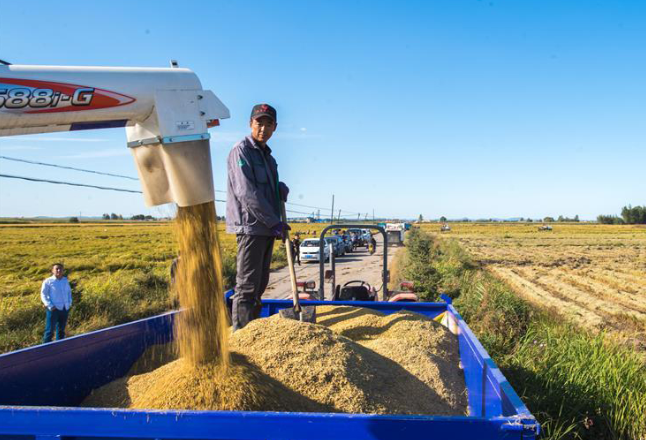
<point x="384" y="273"/>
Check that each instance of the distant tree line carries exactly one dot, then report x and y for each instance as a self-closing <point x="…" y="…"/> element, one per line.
<point x="629" y="216"/>
<point x="142" y="217"/>
<point x="561" y="219"/>
<point x="112" y="216"/>
<point x="568" y="219"/>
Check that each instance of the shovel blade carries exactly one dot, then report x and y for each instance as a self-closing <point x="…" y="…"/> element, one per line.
<point x="308" y="314"/>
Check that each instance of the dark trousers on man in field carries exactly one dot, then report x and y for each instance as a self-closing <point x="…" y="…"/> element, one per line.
<point x="296" y="254"/>
<point x="253" y="261"/>
<point x="56" y="320"/>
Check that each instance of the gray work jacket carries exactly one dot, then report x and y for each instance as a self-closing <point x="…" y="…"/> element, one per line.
<point x="253" y="200"/>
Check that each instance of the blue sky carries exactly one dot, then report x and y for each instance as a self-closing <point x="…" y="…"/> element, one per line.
<point x="457" y="108"/>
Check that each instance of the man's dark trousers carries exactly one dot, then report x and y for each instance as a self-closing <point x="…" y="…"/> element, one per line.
<point x="56" y="319"/>
<point x="253" y="261"/>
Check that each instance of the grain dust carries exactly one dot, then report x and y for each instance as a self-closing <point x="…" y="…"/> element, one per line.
<point x="202" y="329"/>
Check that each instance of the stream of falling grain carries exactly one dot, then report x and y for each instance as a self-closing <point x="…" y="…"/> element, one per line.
<point x="203" y="328"/>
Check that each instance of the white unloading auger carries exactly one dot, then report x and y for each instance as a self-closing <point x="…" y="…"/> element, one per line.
<point x="165" y="112"/>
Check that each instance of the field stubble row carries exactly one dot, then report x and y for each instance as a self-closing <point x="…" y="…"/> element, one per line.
<point x="592" y="274"/>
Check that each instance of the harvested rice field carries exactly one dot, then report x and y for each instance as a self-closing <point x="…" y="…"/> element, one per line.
<point x="592" y="274"/>
<point x="119" y="272"/>
<point x="353" y="361"/>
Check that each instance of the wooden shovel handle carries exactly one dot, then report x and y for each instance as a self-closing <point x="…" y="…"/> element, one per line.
<point x="290" y="263"/>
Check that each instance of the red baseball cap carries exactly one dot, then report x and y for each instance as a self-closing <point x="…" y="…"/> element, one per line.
<point x="263" y="110"/>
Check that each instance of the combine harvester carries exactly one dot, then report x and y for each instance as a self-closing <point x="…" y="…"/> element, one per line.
<point x="166" y="114"/>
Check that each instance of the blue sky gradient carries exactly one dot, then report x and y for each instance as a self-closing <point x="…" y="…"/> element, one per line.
<point x="458" y="108"/>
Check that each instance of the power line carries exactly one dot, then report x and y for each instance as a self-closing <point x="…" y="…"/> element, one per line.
<point x="318" y="207"/>
<point x="57" y="182"/>
<point x="106" y="188"/>
<point x="298" y="212"/>
<point x="299" y="204"/>
<point x="15" y="159"/>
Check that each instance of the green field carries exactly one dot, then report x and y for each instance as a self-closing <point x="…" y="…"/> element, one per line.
<point x="118" y="272"/>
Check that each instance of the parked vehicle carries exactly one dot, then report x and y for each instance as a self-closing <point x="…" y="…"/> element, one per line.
<point x="347" y="242"/>
<point x="395" y="232"/>
<point x="357" y="236"/>
<point x="338" y="245"/>
<point x="366" y="235"/>
<point x="309" y="250"/>
<point x="354" y="240"/>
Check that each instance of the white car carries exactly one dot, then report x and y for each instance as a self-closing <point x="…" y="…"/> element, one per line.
<point x="310" y="249"/>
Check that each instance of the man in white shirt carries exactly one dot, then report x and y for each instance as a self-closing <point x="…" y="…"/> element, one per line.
<point x="56" y="295"/>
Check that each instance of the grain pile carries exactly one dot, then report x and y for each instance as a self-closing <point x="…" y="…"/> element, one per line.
<point x="360" y="361"/>
<point x="357" y="361"/>
<point x="202" y="330"/>
<point x="423" y="347"/>
<point x="181" y="385"/>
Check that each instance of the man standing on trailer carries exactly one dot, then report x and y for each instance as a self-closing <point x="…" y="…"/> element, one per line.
<point x="56" y="295"/>
<point x="254" y="198"/>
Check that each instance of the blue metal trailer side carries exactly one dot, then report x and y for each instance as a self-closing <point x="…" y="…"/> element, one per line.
<point x="40" y="387"/>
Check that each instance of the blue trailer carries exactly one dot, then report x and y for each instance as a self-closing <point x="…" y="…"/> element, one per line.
<point x="41" y="387"/>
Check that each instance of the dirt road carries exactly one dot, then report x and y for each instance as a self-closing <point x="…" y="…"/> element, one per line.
<point x="358" y="265"/>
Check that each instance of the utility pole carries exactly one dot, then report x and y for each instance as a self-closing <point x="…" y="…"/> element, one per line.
<point x="339" y="217"/>
<point x="373" y="215"/>
<point x="332" y="212"/>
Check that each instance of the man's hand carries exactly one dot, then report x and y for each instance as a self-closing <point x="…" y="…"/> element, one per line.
<point x="283" y="190"/>
<point x="280" y="230"/>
